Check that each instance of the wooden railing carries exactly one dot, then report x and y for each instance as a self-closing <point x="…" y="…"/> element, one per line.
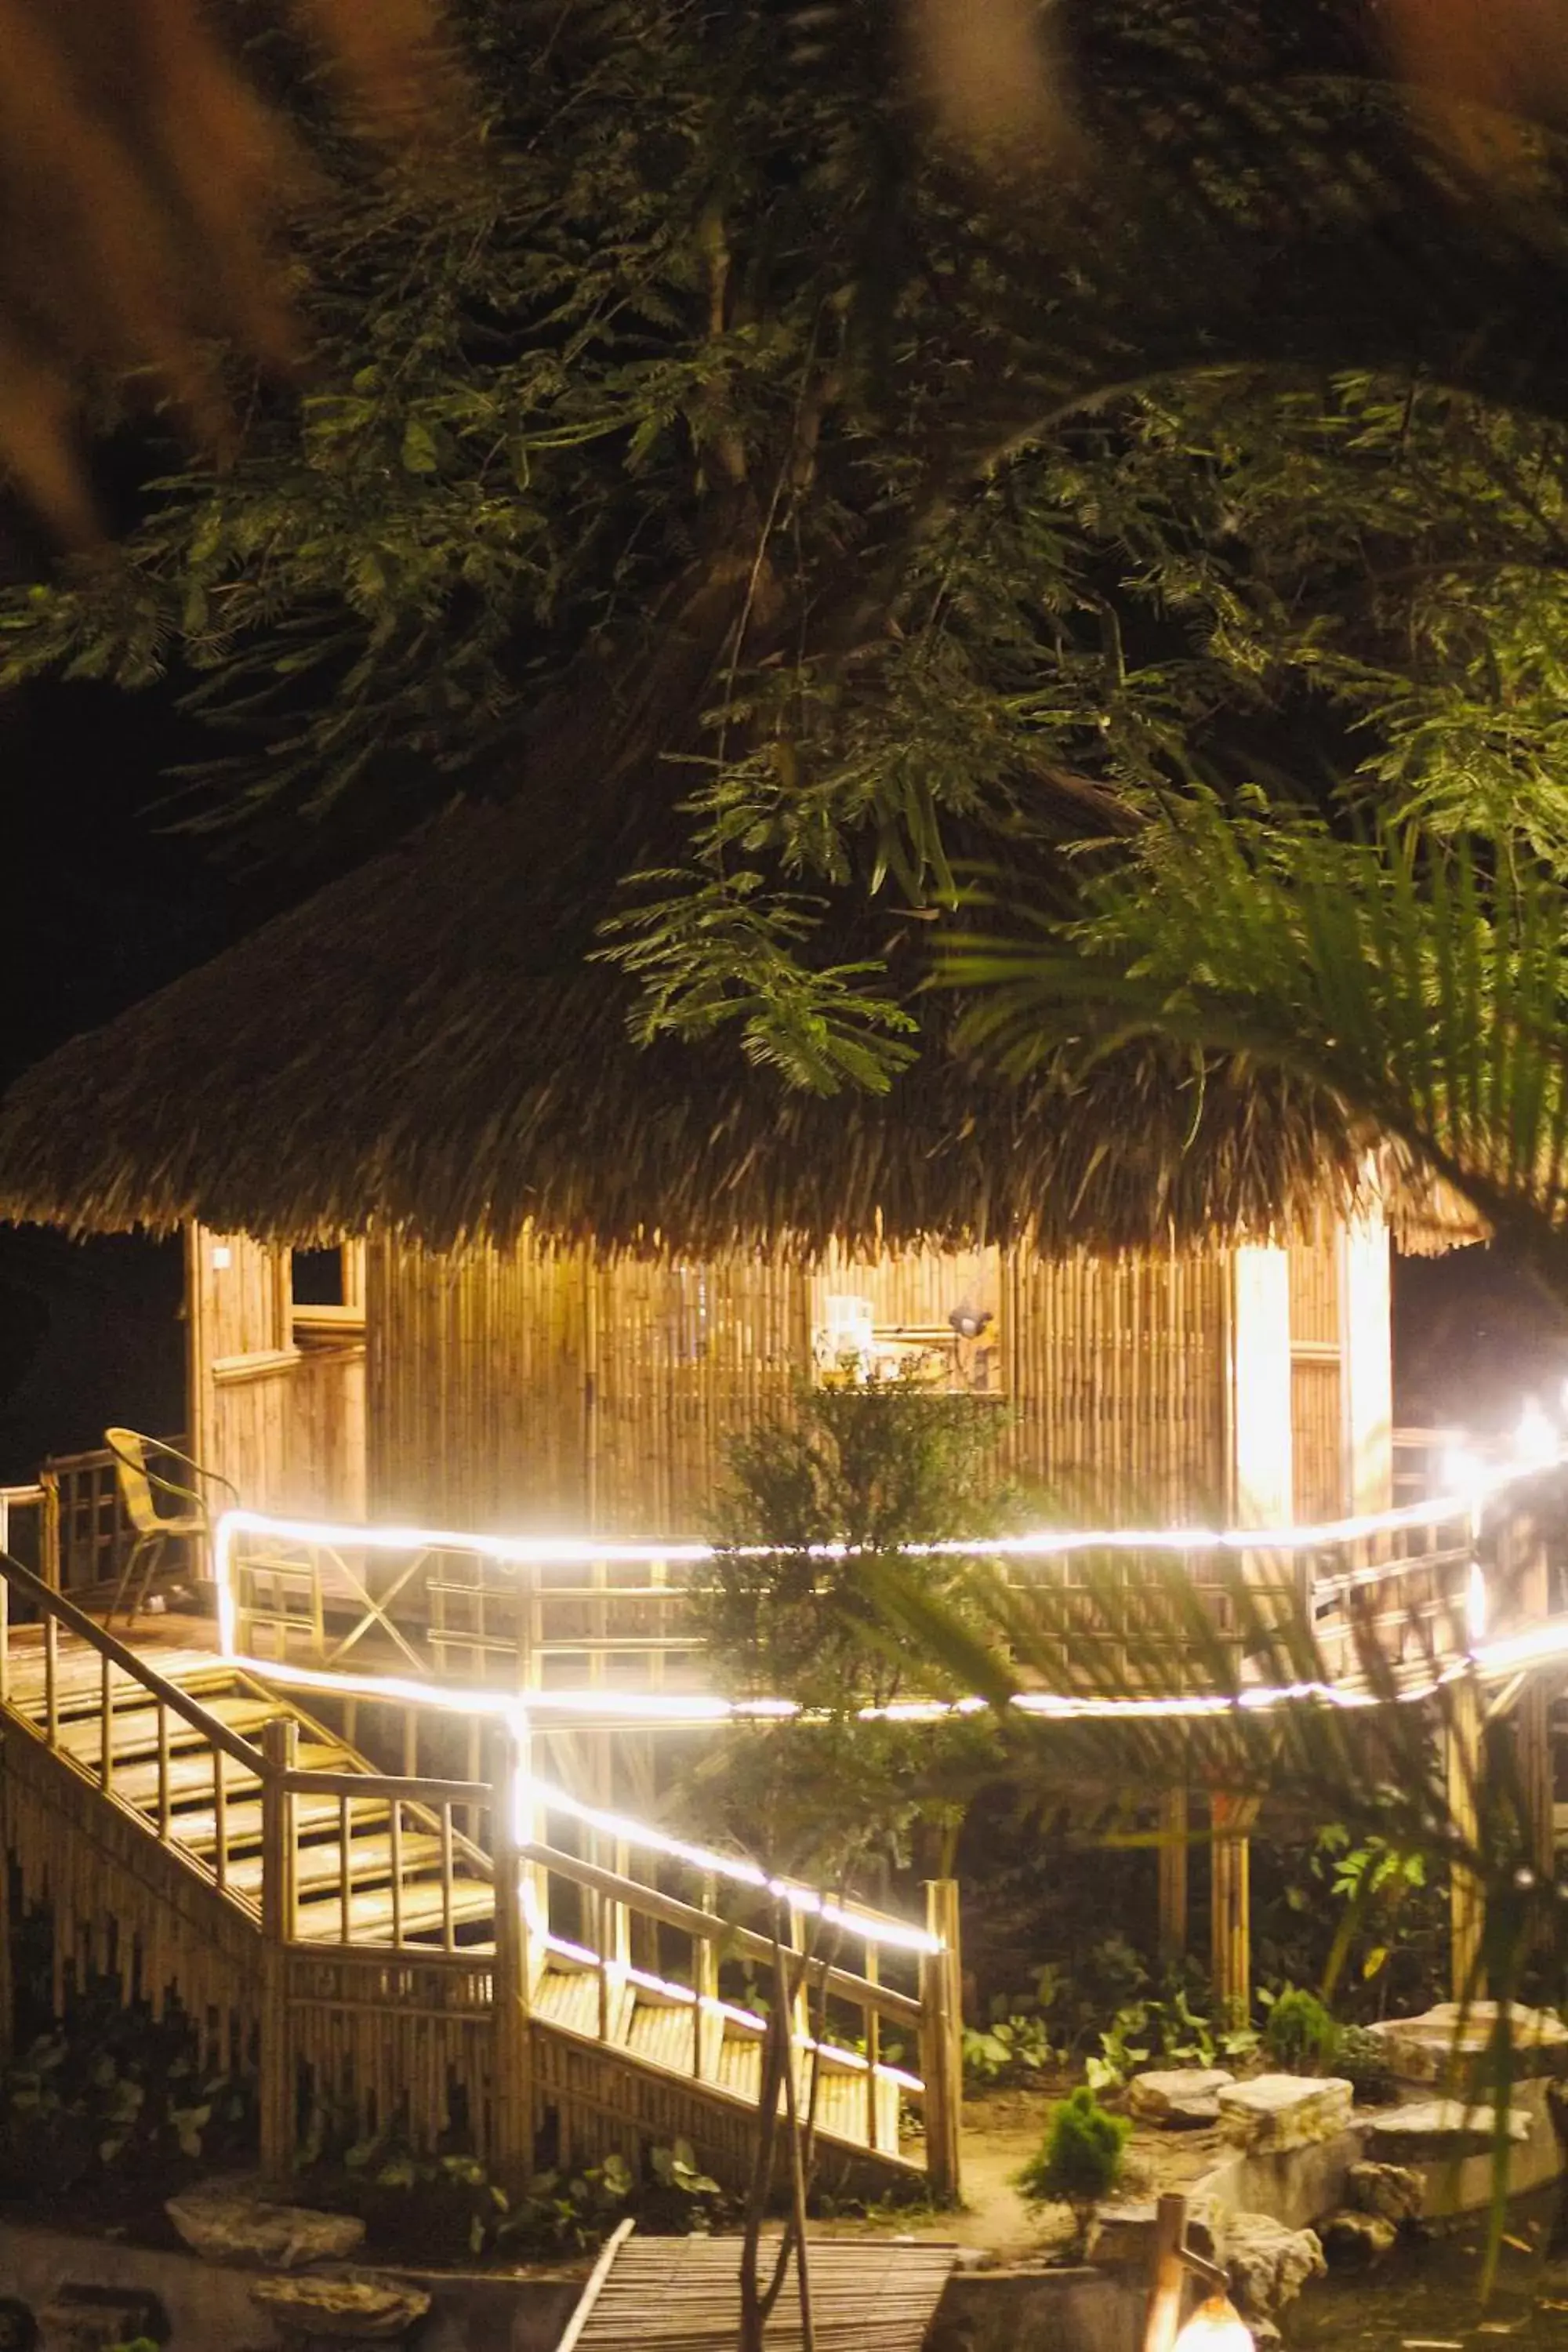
<point x="398" y="1932"/>
<point x="461" y="1607"/>
<point x="534" y="1614"/>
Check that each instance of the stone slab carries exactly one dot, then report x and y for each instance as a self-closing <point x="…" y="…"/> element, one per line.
<point x="377" y="2309"/>
<point x="1435" y="2131"/>
<point x="1275" y="2112"/>
<point x="1178" y="2098"/>
<point x="228" y="2227"/>
<point x="1447" y="2046"/>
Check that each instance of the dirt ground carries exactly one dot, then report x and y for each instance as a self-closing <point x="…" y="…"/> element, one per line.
<point x="1001" y="2130"/>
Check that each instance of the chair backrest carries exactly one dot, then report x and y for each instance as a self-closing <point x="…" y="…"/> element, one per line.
<point x="129" y="1448"/>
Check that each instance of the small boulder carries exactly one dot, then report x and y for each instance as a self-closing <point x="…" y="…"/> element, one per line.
<point x="1124" y="2233"/>
<point x="230" y="2226"/>
<point x="1268" y="2263"/>
<point x="361" y="2308"/>
<point x="1392" y="2191"/>
<point x="1355" y="2241"/>
<point x="1275" y="2112"/>
<point x="1178" y="2098"/>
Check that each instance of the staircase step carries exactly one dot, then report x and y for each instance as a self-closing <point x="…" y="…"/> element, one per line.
<point x="370" y="1913"/>
<point x="135" y="1730"/>
<point x="193" y="1826"/>
<point x="316" y="1865"/>
<point x="78" y="1676"/>
<point x="191" y="1775"/>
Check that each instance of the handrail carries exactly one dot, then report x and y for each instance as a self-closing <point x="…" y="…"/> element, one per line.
<point x="394" y="1788"/>
<point x="711" y="1928"/>
<point x="132" y="1662"/>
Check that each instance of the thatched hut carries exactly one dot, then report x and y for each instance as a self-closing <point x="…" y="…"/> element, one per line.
<point x="459" y="1250"/>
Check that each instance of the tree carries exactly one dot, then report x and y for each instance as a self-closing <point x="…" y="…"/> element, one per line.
<point x="719" y="436"/>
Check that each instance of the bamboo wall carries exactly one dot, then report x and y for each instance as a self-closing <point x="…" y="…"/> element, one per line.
<point x="548" y="1388"/>
<point x="278" y="1400"/>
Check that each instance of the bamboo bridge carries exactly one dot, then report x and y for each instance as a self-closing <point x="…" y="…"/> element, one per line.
<point x="328" y="1828"/>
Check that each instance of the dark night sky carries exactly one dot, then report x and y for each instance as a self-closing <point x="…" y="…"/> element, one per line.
<point x="106" y="903"/>
<point x="103" y="905"/>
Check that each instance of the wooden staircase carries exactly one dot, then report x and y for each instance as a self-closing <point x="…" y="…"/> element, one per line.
<point x="355" y="1914"/>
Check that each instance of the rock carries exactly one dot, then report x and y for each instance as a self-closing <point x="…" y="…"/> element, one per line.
<point x="1447" y="2046"/>
<point x="92" y="2318"/>
<point x="229" y="2227"/>
<point x="1179" y="2098"/>
<point x="1269" y="2265"/>
<point x="1392" y="2191"/>
<point x="1125" y="2232"/>
<point x="1274" y="2112"/>
<point x="348" y="2307"/>
<point x="1355" y="2240"/>
<point x="1437" y="2131"/>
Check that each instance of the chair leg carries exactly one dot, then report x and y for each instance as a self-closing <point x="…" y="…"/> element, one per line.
<point x="154" y="1557"/>
<point x="126" y="1573"/>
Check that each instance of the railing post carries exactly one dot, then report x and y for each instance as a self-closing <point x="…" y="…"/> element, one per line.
<point x="50" y="1528"/>
<point x="511" y="2154"/>
<point x="1462" y="1760"/>
<point x="280" y="1739"/>
<point x="1230" y="1904"/>
<point x="942" y="2042"/>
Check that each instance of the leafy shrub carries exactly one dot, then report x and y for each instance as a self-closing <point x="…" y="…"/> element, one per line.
<point x="1078" y="2162"/>
<point x="447" y="2208"/>
<point x="1361" y="2058"/>
<point x="1299" y="2034"/>
<point x="1012" y="2049"/>
<point x="121" y="2097"/>
<point x="1170" y="2031"/>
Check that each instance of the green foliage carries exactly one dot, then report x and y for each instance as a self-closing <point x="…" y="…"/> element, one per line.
<point x="445" y="2207"/>
<point x="1362" y="2057"/>
<point x="1013" y="2048"/>
<point x="1421" y="982"/>
<point x="1165" y="2032"/>
<point x="810" y="1527"/>
<point x="116" y="2094"/>
<point x="1078" y="2162"/>
<point x="1298" y="2033"/>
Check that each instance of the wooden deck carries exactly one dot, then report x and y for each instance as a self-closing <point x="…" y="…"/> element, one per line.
<point x="683" y="2294"/>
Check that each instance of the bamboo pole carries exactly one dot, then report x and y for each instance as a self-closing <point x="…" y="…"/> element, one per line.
<point x="1168" y="2274"/>
<point x="280" y="1741"/>
<point x="1174" y="1903"/>
<point x="941" y="2047"/>
<point x="1462" y="1755"/>
<point x="1230" y="1907"/>
<point x="513" y="2153"/>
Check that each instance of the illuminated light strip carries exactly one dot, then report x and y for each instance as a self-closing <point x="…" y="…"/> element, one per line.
<point x="868" y="1925"/>
<point x="854" y="2060"/>
<point x="527" y="1787"/>
<point x="1043" y="1543"/>
<point x="1046" y="1543"/>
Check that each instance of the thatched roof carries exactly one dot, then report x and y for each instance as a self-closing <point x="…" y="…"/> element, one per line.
<point x="427" y="1046"/>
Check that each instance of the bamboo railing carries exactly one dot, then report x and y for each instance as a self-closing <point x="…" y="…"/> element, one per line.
<point x="533" y="1615"/>
<point x="399" y="1938"/>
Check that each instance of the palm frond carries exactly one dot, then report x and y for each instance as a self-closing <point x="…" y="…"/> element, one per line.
<point x="1421" y="986"/>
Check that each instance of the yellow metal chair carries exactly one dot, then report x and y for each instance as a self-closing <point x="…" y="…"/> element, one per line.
<point x="160" y="1506"/>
